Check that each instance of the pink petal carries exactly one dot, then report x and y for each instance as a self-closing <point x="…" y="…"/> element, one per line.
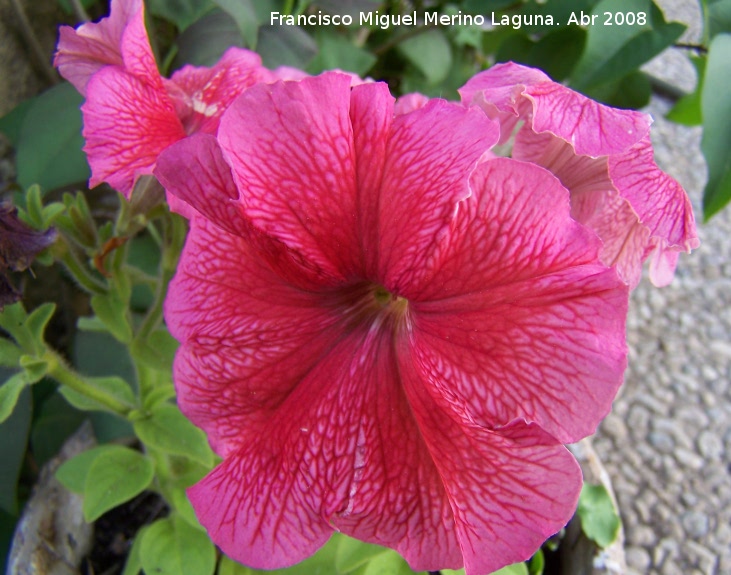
<point x="290" y="146"/>
<point x="201" y="95"/>
<point x="431" y="153"/>
<point x="534" y="327"/>
<point x="193" y="171"/>
<point x="510" y="91"/>
<point x="410" y="102"/>
<point x="661" y="204"/>
<point x="127" y="124"/>
<point x="118" y="40"/>
<point x="509" y="489"/>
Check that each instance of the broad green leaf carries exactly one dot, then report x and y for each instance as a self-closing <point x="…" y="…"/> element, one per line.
<point x="544" y="16"/>
<point x="73" y="473"/>
<point x="182" y="13"/>
<point x="9" y="394"/>
<point x="49" y="144"/>
<point x="133" y="565"/>
<point x="14" y="430"/>
<point x="203" y="43"/>
<point x="717" y="15"/>
<point x="352" y="553"/>
<point x="158" y="351"/>
<point x="113" y="478"/>
<point x="285" y="46"/>
<point x="614" y="51"/>
<point x="687" y="110"/>
<point x="66" y="5"/>
<point x="54" y="421"/>
<point x="230" y="567"/>
<point x="430" y="53"/>
<point x="114" y="386"/>
<point x="633" y="91"/>
<point x="181" y="504"/>
<point x="112" y="311"/>
<point x="336" y="51"/>
<point x="12" y="122"/>
<point x="171" y="546"/>
<point x="387" y="563"/>
<point x="321" y="563"/>
<point x="169" y="431"/>
<point x="716" y="142"/>
<point x="558" y="52"/>
<point x="244" y="14"/>
<point x="599" y="519"/>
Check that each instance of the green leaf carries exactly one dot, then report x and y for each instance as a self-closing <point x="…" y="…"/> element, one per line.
<point x="114" y="386"/>
<point x="9" y="394"/>
<point x="158" y="351"/>
<point x="321" y="563"/>
<point x="599" y="519"/>
<point x="716" y="142"/>
<point x="352" y="553"/>
<point x="181" y="504"/>
<point x="66" y="5"/>
<point x="632" y="92"/>
<point x="38" y="320"/>
<point x="614" y="51"/>
<point x="244" y="14"/>
<point x="430" y="53"/>
<point x="49" y="144"/>
<point x="230" y="567"/>
<point x="73" y="473"/>
<point x="9" y="353"/>
<point x="285" y="46"/>
<point x="718" y="17"/>
<point x="687" y="111"/>
<point x="133" y="566"/>
<point x="12" y="122"/>
<point x="203" y="43"/>
<point x="169" y="431"/>
<point x="182" y="13"/>
<point x="34" y="369"/>
<point x="336" y="51"/>
<point x="171" y="546"/>
<point x="514" y="569"/>
<point x="112" y="311"/>
<point x="537" y="563"/>
<point x="387" y="563"/>
<point x="14" y="430"/>
<point x="113" y="478"/>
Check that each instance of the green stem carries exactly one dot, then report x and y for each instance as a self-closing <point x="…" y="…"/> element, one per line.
<point x="82" y="275"/>
<point x="61" y="372"/>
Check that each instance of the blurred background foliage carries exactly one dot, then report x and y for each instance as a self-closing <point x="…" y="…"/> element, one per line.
<point x="602" y="61"/>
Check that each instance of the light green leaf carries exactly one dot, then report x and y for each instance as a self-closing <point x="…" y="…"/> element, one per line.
<point x="430" y="52"/>
<point x="133" y="566"/>
<point x="321" y="563"/>
<point x="687" y="110"/>
<point x="716" y="142"/>
<point x="387" y="563"/>
<point x="537" y="563"/>
<point x="112" y="311"/>
<point x="73" y="472"/>
<point x="614" y="51"/>
<point x="171" y="546"/>
<point x="718" y="17"/>
<point x="114" y="386"/>
<point x="9" y="394"/>
<point x="9" y="353"/>
<point x="230" y="567"/>
<point x="180" y="502"/>
<point x="514" y="569"/>
<point x="38" y="320"/>
<point x="599" y="519"/>
<point x="352" y="553"/>
<point x="49" y="144"/>
<point x="113" y="478"/>
<point x="168" y="430"/>
<point x="336" y="51"/>
<point x="182" y="13"/>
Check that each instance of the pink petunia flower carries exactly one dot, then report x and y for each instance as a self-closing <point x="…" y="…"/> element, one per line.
<point x="384" y="332"/>
<point x="603" y="156"/>
<point x="132" y="113"/>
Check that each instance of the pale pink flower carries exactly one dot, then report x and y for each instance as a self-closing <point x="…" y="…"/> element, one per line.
<point x="132" y="113"/>
<point x="603" y="156"/>
<point x="383" y="332"/>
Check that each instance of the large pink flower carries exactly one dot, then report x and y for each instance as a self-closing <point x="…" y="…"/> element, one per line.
<point x="132" y="113"/>
<point x="383" y="332"/>
<point x="603" y="156"/>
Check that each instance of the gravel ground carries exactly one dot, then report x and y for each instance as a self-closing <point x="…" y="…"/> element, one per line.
<point x="667" y="443"/>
